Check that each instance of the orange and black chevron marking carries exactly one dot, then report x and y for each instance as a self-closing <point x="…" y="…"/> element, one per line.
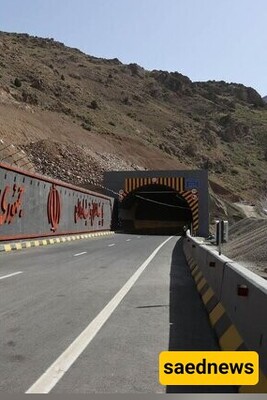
<point x="228" y="336"/>
<point x="176" y="183"/>
<point x="193" y="204"/>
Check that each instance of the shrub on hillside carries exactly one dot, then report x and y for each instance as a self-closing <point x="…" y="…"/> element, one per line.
<point x="17" y="82"/>
<point x="86" y="126"/>
<point x="94" y="104"/>
<point x="191" y="149"/>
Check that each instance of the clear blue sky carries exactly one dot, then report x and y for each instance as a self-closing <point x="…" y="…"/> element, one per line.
<point x="203" y="39"/>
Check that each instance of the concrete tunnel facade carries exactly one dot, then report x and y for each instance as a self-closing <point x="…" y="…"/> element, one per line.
<point x="160" y="201"/>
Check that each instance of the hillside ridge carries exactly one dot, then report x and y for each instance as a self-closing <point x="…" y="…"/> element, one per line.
<point x="77" y="115"/>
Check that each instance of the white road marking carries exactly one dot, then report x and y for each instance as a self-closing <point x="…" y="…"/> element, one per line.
<point x="110" y="245"/>
<point x="9" y="275"/>
<point x="79" y="254"/>
<point x="56" y="371"/>
<point x="128" y="240"/>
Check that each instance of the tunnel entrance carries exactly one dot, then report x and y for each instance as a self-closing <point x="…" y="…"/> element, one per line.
<point x="154" y="209"/>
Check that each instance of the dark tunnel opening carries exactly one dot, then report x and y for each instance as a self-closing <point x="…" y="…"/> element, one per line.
<point x="154" y="209"/>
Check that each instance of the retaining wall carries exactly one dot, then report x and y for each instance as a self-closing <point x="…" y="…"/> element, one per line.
<point x="236" y="301"/>
<point x="32" y="205"/>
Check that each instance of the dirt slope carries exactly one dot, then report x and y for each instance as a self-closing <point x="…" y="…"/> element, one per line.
<point x="248" y="244"/>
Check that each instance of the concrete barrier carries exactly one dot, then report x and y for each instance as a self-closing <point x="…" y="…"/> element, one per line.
<point x="235" y="299"/>
<point x="244" y="296"/>
<point x="211" y="266"/>
<point x="32" y="205"/>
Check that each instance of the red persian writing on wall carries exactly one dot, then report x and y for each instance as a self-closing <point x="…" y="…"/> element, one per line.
<point x="89" y="211"/>
<point x="10" y="207"/>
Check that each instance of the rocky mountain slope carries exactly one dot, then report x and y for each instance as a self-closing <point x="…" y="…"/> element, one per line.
<point x="76" y="116"/>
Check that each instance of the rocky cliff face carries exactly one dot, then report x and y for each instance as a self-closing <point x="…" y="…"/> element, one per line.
<point x="76" y="115"/>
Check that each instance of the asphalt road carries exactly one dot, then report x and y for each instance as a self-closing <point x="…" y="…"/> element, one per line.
<point x="50" y="295"/>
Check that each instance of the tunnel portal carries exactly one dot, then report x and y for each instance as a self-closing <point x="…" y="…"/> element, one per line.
<point x="154" y="209"/>
<point x="159" y="201"/>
